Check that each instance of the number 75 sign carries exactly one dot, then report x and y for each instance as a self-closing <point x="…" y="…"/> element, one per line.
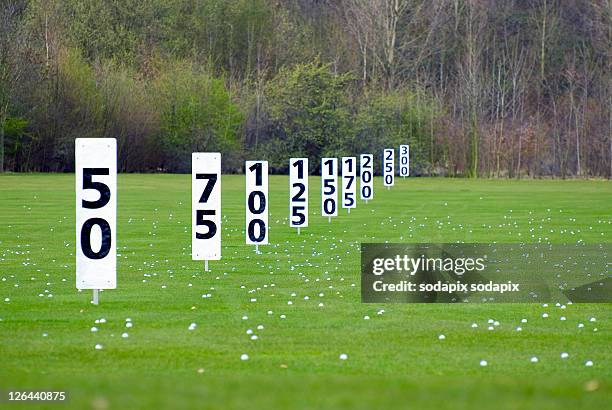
<point x="206" y="206"/>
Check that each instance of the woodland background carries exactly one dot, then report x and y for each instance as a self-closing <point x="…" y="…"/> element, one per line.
<point x="490" y="88"/>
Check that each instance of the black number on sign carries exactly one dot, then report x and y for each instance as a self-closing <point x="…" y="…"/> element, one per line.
<point x="349" y="162"/>
<point x="298" y="211"/>
<point x="86" y="238"/>
<point x="329" y="205"/>
<point x="329" y="184"/>
<point x="348" y="199"/>
<point x="389" y="155"/>
<point x="262" y="230"/>
<point x="404" y="150"/>
<point x="298" y="196"/>
<point x="388" y="178"/>
<point x="366" y="192"/>
<point x="367" y="161"/>
<point x="404" y="160"/>
<point x="366" y="177"/>
<point x="262" y="202"/>
<point x="257" y="167"/>
<point x="101" y="187"/>
<point x="299" y="164"/>
<point x="350" y="181"/>
<point x="201" y="221"/>
<point x="211" y="180"/>
<point x="329" y="163"/>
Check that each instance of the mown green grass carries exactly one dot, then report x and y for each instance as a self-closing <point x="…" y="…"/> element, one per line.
<point x="395" y="358"/>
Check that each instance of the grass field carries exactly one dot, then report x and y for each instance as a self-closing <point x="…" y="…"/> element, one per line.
<point x="395" y="359"/>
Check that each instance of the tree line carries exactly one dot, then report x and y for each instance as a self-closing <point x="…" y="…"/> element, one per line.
<point x="491" y="88"/>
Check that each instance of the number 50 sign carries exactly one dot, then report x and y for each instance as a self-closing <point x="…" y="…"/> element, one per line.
<point x="96" y="213"/>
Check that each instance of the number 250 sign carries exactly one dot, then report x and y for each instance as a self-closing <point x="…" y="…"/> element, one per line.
<point x="206" y="206"/>
<point x="96" y="213"/>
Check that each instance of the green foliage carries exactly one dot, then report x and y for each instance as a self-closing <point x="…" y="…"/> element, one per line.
<point x="309" y="113"/>
<point x="388" y="120"/>
<point x="196" y="113"/>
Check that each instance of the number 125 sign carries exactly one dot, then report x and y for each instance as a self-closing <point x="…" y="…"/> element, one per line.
<point x="96" y="213"/>
<point x="205" y="206"/>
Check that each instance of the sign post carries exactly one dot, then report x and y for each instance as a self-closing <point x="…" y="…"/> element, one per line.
<point x="366" y="170"/>
<point x="205" y="206"/>
<point x="349" y="183"/>
<point x="404" y="160"/>
<point x="298" y="193"/>
<point x="256" y="175"/>
<point x="96" y="214"/>
<point x="329" y="187"/>
<point x="388" y="168"/>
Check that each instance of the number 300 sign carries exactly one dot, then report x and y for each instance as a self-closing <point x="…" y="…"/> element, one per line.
<point x="96" y="213"/>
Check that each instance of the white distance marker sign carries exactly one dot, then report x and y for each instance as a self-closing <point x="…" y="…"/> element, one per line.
<point x="96" y="213"/>
<point x="366" y="171"/>
<point x="404" y="160"/>
<point x="298" y="192"/>
<point x="329" y="187"/>
<point x="349" y="182"/>
<point x="388" y="167"/>
<point x="205" y="206"/>
<point x="256" y="174"/>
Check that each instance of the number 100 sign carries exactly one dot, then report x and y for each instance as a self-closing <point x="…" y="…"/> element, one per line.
<point x="205" y="206"/>
<point x="256" y="202"/>
<point x="96" y="213"/>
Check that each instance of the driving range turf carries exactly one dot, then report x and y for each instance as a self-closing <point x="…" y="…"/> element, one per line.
<point x="395" y="359"/>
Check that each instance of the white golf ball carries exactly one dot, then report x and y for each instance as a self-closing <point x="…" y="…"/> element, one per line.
<point x="483" y="363"/>
<point x="125" y="335"/>
<point x="589" y="363"/>
<point x="343" y="356"/>
<point x="244" y="357"/>
<point x="441" y="337"/>
<point x="129" y="324"/>
<point x="534" y="359"/>
<point x="564" y="355"/>
<point x="366" y="317"/>
<point x="98" y="346"/>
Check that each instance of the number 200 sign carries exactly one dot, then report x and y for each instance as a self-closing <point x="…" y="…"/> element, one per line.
<point x="298" y="192"/>
<point x="388" y="167"/>
<point x="206" y="206"/>
<point x="366" y="170"/>
<point x="96" y="213"/>
<point x="349" y="183"/>
<point x="329" y="187"/>
<point x="256" y="174"/>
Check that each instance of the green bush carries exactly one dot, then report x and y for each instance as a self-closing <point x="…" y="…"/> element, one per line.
<point x="196" y="114"/>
